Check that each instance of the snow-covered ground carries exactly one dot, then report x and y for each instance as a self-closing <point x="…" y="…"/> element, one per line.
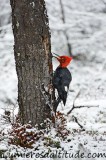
<point x="85" y="24"/>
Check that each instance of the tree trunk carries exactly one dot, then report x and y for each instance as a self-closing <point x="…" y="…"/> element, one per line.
<point x="33" y="58"/>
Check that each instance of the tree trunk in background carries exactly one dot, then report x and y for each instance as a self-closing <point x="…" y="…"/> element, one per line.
<point x="33" y="58"/>
<point x="65" y="33"/>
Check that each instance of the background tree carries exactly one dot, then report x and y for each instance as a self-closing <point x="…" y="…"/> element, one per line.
<point x="65" y="31"/>
<point x="33" y="59"/>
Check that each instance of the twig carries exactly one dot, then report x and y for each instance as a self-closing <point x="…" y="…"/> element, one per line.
<point x="74" y="103"/>
<point x="76" y="107"/>
<point x="76" y="120"/>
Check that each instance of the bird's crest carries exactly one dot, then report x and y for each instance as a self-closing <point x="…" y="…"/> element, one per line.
<point x="63" y="60"/>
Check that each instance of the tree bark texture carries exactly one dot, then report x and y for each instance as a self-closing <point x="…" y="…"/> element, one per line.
<point x="33" y="58"/>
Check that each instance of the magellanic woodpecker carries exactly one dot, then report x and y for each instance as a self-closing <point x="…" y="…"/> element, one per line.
<point x="62" y="77"/>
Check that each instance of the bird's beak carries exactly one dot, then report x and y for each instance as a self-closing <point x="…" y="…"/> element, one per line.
<point x="55" y="56"/>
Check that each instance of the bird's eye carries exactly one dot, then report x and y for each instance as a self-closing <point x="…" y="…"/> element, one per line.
<point x="62" y="60"/>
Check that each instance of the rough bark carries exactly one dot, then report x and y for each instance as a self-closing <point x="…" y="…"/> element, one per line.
<point x="32" y="52"/>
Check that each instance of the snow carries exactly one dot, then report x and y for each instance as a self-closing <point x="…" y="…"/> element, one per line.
<point x="85" y="25"/>
<point x="33" y="4"/>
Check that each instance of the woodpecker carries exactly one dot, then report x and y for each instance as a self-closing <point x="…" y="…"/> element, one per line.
<point x="62" y="78"/>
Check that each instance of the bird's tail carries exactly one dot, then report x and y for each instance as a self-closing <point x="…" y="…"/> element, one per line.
<point x="63" y="96"/>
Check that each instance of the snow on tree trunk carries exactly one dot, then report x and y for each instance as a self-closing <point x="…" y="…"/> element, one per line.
<point x="33" y="58"/>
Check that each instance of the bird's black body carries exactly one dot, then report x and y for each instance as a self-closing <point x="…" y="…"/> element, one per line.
<point x="61" y="80"/>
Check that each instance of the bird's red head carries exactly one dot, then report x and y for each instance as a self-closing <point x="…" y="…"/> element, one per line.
<point x="64" y="61"/>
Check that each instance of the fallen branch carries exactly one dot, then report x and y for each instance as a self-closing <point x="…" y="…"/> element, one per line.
<point x="81" y="106"/>
<point x="76" y="120"/>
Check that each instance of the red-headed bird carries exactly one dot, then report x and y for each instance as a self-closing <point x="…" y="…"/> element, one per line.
<point x="62" y="78"/>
